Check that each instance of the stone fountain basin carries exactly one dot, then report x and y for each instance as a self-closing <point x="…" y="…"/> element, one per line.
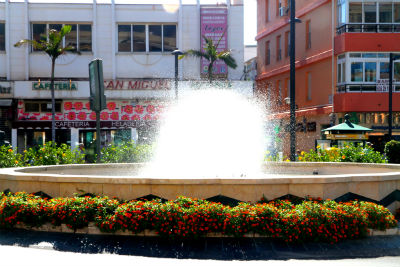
<point x="378" y="182"/>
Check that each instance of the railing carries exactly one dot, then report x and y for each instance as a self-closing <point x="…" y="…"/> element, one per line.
<point x="368" y="27"/>
<point x="364" y="88"/>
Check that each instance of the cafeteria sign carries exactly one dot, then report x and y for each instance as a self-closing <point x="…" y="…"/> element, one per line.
<point x="58" y="86"/>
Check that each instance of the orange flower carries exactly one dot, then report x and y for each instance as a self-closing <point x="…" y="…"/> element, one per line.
<point x="343" y="157"/>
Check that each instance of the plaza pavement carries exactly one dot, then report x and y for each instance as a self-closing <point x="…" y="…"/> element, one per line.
<point x="28" y="248"/>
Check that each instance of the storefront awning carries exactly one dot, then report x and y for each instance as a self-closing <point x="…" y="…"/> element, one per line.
<point x="5" y="102"/>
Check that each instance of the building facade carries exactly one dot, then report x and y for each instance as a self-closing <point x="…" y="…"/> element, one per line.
<point x="134" y="41"/>
<point x="342" y="65"/>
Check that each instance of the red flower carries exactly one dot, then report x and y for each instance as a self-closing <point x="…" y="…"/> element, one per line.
<point x="147" y="117"/>
<point x="111" y="105"/>
<point x="135" y="117"/>
<point x="68" y="105"/>
<point x="125" y="117"/>
<point x="78" y="105"/>
<point x="139" y="109"/>
<point x="129" y="109"/>
<point x="44" y="118"/>
<point x="87" y="105"/>
<point x="104" y="116"/>
<point x="114" y="116"/>
<point x="71" y="116"/>
<point x="82" y="116"/>
<point x="150" y="109"/>
<point x="92" y="115"/>
<point x="160" y="108"/>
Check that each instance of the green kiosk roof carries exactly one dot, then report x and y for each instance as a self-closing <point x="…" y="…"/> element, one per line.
<point x="347" y="126"/>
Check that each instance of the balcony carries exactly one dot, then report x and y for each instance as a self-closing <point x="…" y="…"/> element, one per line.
<point x="365" y="88"/>
<point x="368" y="27"/>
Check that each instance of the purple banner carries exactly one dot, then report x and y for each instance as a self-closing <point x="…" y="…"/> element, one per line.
<point x="214" y="23"/>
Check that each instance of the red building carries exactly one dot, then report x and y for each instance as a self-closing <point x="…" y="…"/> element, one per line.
<point x="342" y="65"/>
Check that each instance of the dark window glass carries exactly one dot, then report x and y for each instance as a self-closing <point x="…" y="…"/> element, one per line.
<point x="71" y="38"/>
<point x="385" y="12"/>
<point x="139" y="38"/>
<point x="384" y="72"/>
<point x="357" y="72"/>
<point x="31" y="107"/>
<point x="396" y="70"/>
<point x="370" y="12"/>
<point x="155" y="43"/>
<point x="46" y="107"/>
<point x="56" y="27"/>
<point x="169" y="37"/>
<point x="396" y="12"/>
<point x="85" y="37"/>
<point x="370" y="71"/>
<point x="124" y="38"/>
<point x="2" y="37"/>
<point x="39" y="32"/>
<point x="355" y="12"/>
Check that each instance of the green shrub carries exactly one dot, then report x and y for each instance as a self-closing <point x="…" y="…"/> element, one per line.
<point x="9" y="157"/>
<point x="51" y="154"/>
<point x="349" y="153"/>
<point x="392" y="151"/>
<point x="126" y="152"/>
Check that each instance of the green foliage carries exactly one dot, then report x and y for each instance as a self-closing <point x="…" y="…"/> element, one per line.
<point x="308" y="220"/>
<point x="127" y="152"/>
<point x="392" y="151"/>
<point x="9" y="157"/>
<point x="51" y="154"/>
<point x="349" y="153"/>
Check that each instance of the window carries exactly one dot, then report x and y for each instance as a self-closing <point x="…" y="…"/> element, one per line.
<point x="355" y="12"/>
<point x="41" y="106"/>
<point x="308" y="86"/>
<point x="80" y="36"/>
<point x="370" y="72"/>
<point x="308" y="34"/>
<point x="2" y="37"/>
<point x="356" y="71"/>
<point x="146" y="38"/>
<point x="278" y="48"/>
<point x="287" y="87"/>
<point x="279" y="87"/>
<point x="267" y="53"/>
<point x="266" y="10"/>
<point x="287" y="43"/>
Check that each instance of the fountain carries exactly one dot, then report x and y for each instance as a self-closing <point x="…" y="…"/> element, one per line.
<point x="212" y="145"/>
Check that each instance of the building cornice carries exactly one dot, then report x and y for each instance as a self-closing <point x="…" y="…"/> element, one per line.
<point x="299" y="64"/>
<point x="282" y="23"/>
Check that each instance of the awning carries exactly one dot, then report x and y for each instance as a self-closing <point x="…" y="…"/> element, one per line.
<point x="5" y="102"/>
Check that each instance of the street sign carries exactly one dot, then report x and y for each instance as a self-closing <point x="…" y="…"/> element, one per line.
<point x="97" y="97"/>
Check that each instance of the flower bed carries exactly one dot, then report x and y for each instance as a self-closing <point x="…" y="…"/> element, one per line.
<point x="310" y="220"/>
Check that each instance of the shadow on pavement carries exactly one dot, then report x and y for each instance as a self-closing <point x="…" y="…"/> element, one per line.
<point x="206" y="248"/>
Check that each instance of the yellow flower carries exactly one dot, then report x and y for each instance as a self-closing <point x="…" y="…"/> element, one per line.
<point x="16" y="162"/>
<point x="10" y="150"/>
<point x="318" y="147"/>
<point x="300" y="158"/>
<point x="25" y="151"/>
<point x="302" y="153"/>
<point x="287" y="160"/>
<point x="63" y="154"/>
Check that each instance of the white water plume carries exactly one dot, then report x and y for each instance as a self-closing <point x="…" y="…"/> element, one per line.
<point x="209" y="134"/>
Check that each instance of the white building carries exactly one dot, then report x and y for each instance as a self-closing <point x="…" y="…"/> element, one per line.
<point x="134" y="41"/>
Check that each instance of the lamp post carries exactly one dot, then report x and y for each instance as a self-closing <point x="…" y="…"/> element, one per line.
<point x="292" y="97"/>
<point x="176" y="53"/>
<point x="392" y="57"/>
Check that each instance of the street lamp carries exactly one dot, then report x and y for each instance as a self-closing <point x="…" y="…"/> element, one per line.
<point x="392" y="57"/>
<point x="176" y="53"/>
<point x="292" y="96"/>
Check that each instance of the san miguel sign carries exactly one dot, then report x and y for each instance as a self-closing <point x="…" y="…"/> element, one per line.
<point x="138" y="84"/>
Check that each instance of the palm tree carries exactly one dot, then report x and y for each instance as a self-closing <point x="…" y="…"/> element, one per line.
<point x="52" y="45"/>
<point x="210" y="53"/>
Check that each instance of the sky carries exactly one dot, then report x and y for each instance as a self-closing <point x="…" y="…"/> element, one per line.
<point x="250" y="11"/>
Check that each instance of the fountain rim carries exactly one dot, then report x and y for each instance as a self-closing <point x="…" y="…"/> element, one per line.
<point x="33" y="174"/>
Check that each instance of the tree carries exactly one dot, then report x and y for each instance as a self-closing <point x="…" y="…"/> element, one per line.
<point x="52" y="45"/>
<point x="210" y="53"/>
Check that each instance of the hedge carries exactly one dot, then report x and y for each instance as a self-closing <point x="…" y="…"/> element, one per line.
<point x="310" y="220"/>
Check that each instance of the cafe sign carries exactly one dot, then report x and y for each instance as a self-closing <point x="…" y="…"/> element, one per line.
<point x="5" y="90"/>
<point x="346" y="136"/>
<point x="137" y="84"/>
<point x="58" y="86"/>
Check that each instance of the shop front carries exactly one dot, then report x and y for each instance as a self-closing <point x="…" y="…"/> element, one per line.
<point x="6" y="104"/>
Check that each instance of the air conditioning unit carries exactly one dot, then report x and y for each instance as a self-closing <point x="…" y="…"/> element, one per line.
<point x="283" y="11"/>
